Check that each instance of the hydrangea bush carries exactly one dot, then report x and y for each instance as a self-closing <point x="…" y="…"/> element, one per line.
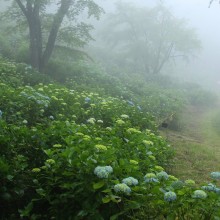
<point x="69" y="154"/>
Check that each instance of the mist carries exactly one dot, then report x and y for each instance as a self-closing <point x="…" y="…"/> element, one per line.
<point x="109" y="109"/>
<point x="204" y="67"/>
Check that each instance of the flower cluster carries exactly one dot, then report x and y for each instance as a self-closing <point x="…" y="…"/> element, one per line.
<point x="158" y="168"/>
<point x="37" y="97"/>
<point x="147" y="143"/>
<point x="199" y="194"/>
<point x="134" y="162"/>
<point x="36" y="170"/>
<point x="50" y="161"/>
<point x="130" y="181"/>
<point x="211" y="188"/>
<point x="103" y="172"/>
<point x="57" y="145"/>
<point x="150" y="177"/>
<point x="124" y="116"/>
<point x="133" y="130"/>
<point x="86" y="138"/>
<point x="122" y="188"/>
<point x="130" y="102"/>
<point x="100" y="147"/>
<point x="87" y="100"/>
<point x="215" y="175"/>
<point x="162" y="175"/>
<point x="108" y="129"/>
<point x="120" y="122"/>
<point x="190" y="182"/>
<point x="91" y="121"/>
<point x="170" y="196"/>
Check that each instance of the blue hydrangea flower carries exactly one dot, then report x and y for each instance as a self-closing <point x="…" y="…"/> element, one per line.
<point x="199" y="194"/>
<point x="122" y="188"/>
<point x="170" y="196"/>
<point x="130" y="103"/>
<point x="139" y="107"/>
<point x="162" y="175"/>
<point x="150" y="177"/>
<point x="103" y="172"/>
<point x="87" y="100"/>
<point x="209" y="187"/>
<point x="130" y="181"/>
<point x="217" y="190"/>
<point x="215" y="175"/>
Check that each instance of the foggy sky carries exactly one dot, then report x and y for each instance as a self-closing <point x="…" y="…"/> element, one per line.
<point x="205" y="69"/>
<point x="206" y="20"/>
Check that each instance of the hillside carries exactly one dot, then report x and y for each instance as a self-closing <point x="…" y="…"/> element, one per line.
<point x="69" y="152"/>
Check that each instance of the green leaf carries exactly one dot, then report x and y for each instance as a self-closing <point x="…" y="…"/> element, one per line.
<point x="115" y="199"/>
<point x="98" y="185"/>
<point x="115" y="217"/>
<point x="106" y="199"/>
<point x="134" y="205"/>
<point x="181" y="193"/>
<point x="40" y="192"/>
<point x="26" y="211"/>
<point x="10" y="177"/>
<point x="107" y="191"/>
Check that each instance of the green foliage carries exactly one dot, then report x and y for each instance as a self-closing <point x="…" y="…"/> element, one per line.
<point x="198" y="96"/>
<point x="19" y="74"/>
<point x="77" y="154"/>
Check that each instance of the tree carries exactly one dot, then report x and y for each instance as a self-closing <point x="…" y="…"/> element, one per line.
<point x="47" y="28"/>
<point x="146" y="39"/>
<point x="211" y="1"/>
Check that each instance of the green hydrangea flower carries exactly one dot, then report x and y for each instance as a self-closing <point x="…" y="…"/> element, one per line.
<point x="122" y="188"/>
<point x="130" y="181"/>
<point x="36" y="170"/>
<point x="199" y="194"/>
<point x="150" y="177"/>
<point x="100" y="147"/>
<point x="190" y="182"/>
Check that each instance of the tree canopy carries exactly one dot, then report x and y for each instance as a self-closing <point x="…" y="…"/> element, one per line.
<point x="148" y="38"/>
<point x="53" y="23"/>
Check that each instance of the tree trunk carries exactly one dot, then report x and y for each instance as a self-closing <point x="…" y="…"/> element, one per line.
<point x="35" y="45"/>
<point x="65" y="5"/>
<point x="38" y="58"/>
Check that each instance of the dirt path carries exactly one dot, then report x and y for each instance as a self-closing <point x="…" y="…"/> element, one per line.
<point x="197" y="145"/>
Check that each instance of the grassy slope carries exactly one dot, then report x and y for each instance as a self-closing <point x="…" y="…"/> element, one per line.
<point x="197" y="145"/>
